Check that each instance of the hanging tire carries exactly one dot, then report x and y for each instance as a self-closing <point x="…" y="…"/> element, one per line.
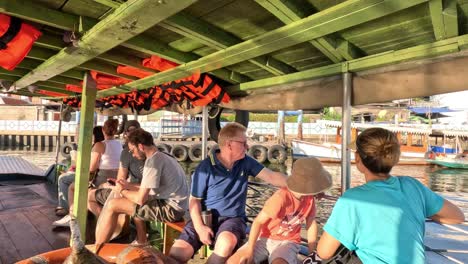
<point x="214" y="120"/>
<point x="213" y="148"/>
<point x="258" y="152"/>
<point x="277" y="154"/>
<point x="195" y="152"/>
<point x="66" y="148"/>
<point x="163" y="147"/>
<point x="180" y="152"/>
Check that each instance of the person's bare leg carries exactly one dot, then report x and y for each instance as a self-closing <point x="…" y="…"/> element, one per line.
<point x="71" y="194"/>
<point x="225" y="244"/>
<point x="108" y="218"/>
<point x="140" y="226"/>
<point x="93" y="205"/>
<point x="181" y="251"/>
<point x="279" y="261"/>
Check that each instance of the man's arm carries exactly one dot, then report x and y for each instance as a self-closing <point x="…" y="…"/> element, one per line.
<point x="132" y="192"/>
<point x="327" y="246"/>
<point x="204" y="232"/>
<point x="122" y="174"/>
<point x="272" y="177"/>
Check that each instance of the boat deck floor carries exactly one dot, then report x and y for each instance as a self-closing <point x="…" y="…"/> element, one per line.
<point x="26" y="216"/>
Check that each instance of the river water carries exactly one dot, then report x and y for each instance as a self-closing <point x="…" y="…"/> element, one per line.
<point x="451" y="183"/>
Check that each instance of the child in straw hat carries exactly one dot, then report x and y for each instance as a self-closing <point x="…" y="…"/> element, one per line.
<point x="279" y="223"/>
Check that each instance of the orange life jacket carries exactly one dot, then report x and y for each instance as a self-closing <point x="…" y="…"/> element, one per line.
<point x="16" y="40"/>
<point x="131" y="71"/>
<point x="73" y="88"/>
<point x="51" y="93"/>
<point x="158" y="63"/>
<point x="105" y="81"/>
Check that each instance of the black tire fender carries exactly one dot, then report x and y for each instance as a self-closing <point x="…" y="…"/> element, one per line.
<point x="277" y="154"/>
<point x="214" y="122"/>
<point x="258" y="152"/>
<point x="195" y="152"/>
<point x="180" y="152"/>
<point x="163" y="147"/>
<point x="66" y="148"/>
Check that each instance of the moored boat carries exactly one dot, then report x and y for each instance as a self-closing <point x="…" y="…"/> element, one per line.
<point x="414" y="144"/>
<point x="459" y="162"/>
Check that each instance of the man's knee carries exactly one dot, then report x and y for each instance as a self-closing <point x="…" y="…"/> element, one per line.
<point x="225" y="244"/>
<point x="181" y="251"/>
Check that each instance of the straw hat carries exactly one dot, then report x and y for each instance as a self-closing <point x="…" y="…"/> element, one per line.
<point x="308" y="177"/>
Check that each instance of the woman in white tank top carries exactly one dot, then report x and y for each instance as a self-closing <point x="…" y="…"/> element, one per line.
<point x="105" y="159"/>
<point x="105" y="155"/>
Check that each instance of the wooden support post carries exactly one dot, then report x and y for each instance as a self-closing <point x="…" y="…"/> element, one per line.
<point x="281" y="129"/>
<point x="409" y="140"/>
<point x="299" y="125"/>
<point x="80" y="209"/>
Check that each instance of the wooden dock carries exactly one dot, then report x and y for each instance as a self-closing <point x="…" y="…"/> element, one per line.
<point x="26" y="216"/>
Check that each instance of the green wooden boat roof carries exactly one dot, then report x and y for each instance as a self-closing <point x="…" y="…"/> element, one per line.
<point x="269" y="54"/>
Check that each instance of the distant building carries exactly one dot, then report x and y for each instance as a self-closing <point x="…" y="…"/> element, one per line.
<point x="15" y="107"/>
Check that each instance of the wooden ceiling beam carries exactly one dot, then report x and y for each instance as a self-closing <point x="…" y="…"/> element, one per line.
<point x="342" y="16"/>
<point x="47" y="85"/>
<point x="140" y="43"/>
<point x="432" y="50"/>
<point x="31" y="64"/>
<point x="40" y="14"/>
<point x="57" y="79"/>
<point x="56" y="43"/>
<point x="127" y="21"/>
<point x="219" y="39"/>
<point x="42" y="54"/>
<point x="289" y="11"/>
<point x="444" y="18"/>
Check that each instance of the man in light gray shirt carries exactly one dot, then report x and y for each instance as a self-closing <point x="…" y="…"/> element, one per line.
<point x="161" y="196"/>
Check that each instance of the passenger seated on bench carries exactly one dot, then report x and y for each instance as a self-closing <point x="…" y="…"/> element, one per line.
<point x="130" y="169"/>
<point x="220" y="184"/>
<point x="68" y="178"/>
<point x="279" y="223"/>
<point x="383" y="220"/>
<point x="104" y="160"/>
<point x="161" y="196"/>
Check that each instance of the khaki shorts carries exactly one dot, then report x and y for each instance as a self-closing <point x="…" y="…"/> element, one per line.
<point x="101" y="195"/>
<point x="158" y="210"/>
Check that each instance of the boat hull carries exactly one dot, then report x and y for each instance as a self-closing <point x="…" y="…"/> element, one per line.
<point x="112" y="253"/>
<point x="331" y="152"/>
<point x="451" y="163"/>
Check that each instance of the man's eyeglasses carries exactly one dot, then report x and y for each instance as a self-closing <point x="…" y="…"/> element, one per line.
<point x="244" y="143"/>
<point x="131" y="150"/>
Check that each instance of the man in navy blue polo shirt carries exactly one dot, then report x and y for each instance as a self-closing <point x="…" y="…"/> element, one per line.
<point x="220" y="185"/>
